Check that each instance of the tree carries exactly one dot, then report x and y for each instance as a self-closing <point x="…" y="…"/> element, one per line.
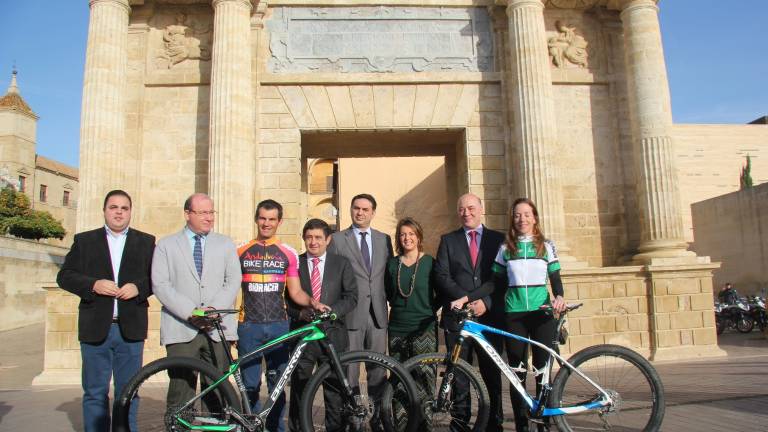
<point x="745" y="179"/>
<point x="19" y="219"/>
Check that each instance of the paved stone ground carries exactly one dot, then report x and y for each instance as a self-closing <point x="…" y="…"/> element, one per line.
<point x="727" y="393"/>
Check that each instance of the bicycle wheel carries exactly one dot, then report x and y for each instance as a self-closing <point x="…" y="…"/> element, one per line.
<point x="325" y="407"/>
<point x="625" y="375"/>
<point x="147" y="392"/>
<point x="745" y="324"/>
<point x="465" y="410"/>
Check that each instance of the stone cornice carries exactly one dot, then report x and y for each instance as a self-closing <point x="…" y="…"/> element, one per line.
<point x="587" y="4"/>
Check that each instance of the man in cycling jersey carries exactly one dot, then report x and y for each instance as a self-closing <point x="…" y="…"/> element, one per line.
<point x="269" y="269"/>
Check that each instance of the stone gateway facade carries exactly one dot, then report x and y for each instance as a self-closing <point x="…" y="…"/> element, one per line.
<point x="562" y="101"/>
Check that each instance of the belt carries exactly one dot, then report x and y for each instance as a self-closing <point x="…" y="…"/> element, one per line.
<point x="115" y="320"/>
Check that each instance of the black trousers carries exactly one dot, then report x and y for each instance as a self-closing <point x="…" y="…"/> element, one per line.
<point x="314" y="355"/>
<point x="537" y="325"/>
<point x="491" y="376"/>
<point x="182" y="382"/>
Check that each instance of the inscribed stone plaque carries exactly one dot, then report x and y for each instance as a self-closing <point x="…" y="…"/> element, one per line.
<point x="380" y="39"/>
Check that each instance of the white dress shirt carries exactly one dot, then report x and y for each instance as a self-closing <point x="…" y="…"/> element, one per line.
<point x="116" y="243"/>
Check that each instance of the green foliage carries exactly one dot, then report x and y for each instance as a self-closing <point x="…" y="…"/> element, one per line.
<point x="13" y="203"/>
<point x="17" y="218"/>
<point x="745" y="179"/>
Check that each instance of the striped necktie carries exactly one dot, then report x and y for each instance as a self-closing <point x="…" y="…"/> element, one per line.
<point x="315" y="279"/>
<point x="197" y="254"/>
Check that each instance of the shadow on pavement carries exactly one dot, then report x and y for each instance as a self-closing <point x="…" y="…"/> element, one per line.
<point x="4" y="409"/>
<point x="74" y="411"/>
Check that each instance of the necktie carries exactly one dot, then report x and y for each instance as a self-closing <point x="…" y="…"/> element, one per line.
<point x="315" y="279"/>
<point x="365" y="252"/>
<point x="473" y="247"/>
<point x="197" y="254"/>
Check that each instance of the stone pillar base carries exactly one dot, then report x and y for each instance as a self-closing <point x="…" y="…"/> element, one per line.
<point x="568" y="262"/>
<point x="671" y="251"/>
<point x="687" y="352"/>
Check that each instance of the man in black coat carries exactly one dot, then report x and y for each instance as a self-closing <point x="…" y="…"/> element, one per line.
<point x="109" y="269"/>
<point x="329" y="279"/>
<point x="462" y="268"/>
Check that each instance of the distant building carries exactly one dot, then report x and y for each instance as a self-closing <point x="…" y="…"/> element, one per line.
<point x="50" y="185"/>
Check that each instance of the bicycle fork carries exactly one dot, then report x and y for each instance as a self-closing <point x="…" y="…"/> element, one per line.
<point x="442" y="401"/>
<point x="359" y="411"/>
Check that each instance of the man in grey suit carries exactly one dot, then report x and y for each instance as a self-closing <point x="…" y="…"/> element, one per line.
<point x="368" y="251"/>
<point x="195" y="269"/>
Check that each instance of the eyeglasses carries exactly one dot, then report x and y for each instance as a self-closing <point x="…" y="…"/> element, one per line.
<point x="203" y="213"/>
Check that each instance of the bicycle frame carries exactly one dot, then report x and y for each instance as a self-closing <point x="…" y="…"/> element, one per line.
<point x="309" y="333"/>
<point x="474" y="330"/>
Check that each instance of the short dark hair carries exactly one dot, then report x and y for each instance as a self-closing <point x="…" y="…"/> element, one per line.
<point x="317" y="224"/>
<point x="117" y="192"/>
<point x="269" y="204"/>
<point x="369" y="197"/>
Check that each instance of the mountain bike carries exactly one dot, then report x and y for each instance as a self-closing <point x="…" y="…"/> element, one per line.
<point x="603" y="387"/>
<point x="216" y="406"/>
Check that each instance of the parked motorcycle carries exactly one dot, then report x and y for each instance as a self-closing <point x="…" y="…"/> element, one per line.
<point x="733" y="315"/>
<point x="757" y="311"/>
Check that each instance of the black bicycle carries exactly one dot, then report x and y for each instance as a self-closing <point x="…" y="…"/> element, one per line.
<point x="216" y="406"/>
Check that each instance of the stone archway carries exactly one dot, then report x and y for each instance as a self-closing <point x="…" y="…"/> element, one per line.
<point x="387" y="120"/>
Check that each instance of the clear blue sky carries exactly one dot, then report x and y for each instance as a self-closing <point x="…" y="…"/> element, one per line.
<point x="716" y="59"/>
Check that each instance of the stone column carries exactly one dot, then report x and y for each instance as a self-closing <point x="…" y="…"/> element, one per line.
<point x="534" y="132"/>
<point x="102" y="123"/>
<point x="231" y="154"/>
<point x="651" y="117"/>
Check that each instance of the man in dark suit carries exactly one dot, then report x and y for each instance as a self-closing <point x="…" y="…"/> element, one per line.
<point x="463" y="275"/>
<point x="330" y="280"/>
<point x="109" y="269"/>
<point x="368" y="251"/>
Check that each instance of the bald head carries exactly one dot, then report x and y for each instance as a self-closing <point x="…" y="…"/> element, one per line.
<point x="195" y="198"/>
<point x="199" y="213"/>
<point x="470" y="210"/>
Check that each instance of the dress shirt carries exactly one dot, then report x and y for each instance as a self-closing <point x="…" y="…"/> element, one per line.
<point x="479" y="231"/>
<point x="320" y="265"/>
<point x="368" y="239"/>
<point x="191" y="237"/>
<point x="116" y="243"/>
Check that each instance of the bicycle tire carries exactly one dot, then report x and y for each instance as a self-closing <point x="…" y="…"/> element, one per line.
<point x="151" y="384"/>
<point x="619" y="371"/>
<point x="429" y="381"/>
<point x="745" y="324"/>
<point x="359" y="411"/>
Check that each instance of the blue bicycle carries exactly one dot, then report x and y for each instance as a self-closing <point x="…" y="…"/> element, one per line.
<point x="603" y="387"/>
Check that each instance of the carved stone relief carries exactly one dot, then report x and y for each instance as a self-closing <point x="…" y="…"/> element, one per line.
<point x="179" y="43"/>
<point x="186" y="39"/>
<point x="576" y="45"/>
<point x="380" y="39"/>
<point x="567" y="47"/>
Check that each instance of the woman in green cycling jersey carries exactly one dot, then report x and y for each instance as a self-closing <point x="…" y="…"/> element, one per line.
<point x="526" y="261"/>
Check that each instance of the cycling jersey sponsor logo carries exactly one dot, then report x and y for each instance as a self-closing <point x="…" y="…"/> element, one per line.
<point x="263" y="287"/>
